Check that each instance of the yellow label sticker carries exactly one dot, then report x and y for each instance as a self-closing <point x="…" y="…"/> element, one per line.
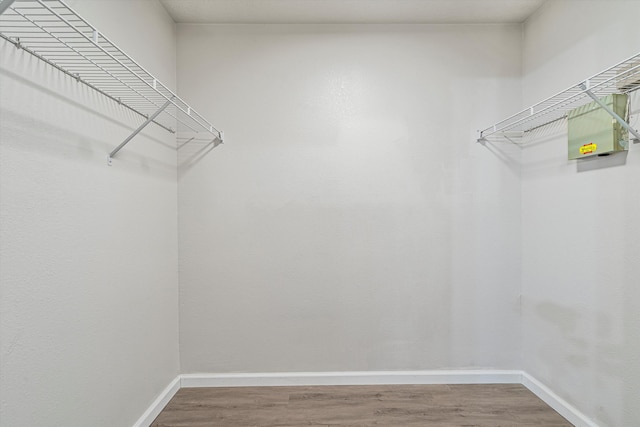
<point x="588" y="148"/>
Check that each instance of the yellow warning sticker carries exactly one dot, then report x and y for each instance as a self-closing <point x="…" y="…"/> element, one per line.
<point x="588" y="148"/>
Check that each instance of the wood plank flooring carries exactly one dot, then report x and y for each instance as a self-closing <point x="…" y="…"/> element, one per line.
<point x="406" y="405"/>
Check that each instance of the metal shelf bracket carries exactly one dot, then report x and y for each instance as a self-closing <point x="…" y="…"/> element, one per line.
<point x="137" y="131"/>
<point x="587" y="89"/>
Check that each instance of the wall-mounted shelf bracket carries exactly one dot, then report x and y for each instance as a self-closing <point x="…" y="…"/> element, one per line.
<point x="587" y="89"/>
<point x="137" y="131"/>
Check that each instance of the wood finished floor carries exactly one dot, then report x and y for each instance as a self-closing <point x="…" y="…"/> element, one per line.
<point x="407" y="405"/>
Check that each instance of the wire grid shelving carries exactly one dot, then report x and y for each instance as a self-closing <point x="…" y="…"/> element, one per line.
<point x="51" y="31"/>
<point x="623" y="77"/>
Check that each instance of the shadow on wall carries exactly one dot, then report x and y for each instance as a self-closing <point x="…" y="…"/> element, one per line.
<point x="543" y="135"/>
<point x="503" y="151"/>
<point x="70" y="103"/>
<point x="556" y="133"/>
<point x="602" y="162"/>
<point x="191" y="151"/>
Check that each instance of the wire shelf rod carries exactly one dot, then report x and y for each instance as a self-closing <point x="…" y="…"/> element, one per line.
<point x="130" y="108"/>
<point x="170" y="98"/>
<point x="604" y="83"/>
<point x="126" y="103"/>
<point x="52" y="32"/>
<point x="89" y="43"/>
<point x="93" y="62"/>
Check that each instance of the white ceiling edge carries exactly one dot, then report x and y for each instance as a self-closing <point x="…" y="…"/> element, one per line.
<point x="351" y="11"/>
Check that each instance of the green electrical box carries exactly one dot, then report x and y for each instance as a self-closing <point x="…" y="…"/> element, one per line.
<point x="593" y="131"/>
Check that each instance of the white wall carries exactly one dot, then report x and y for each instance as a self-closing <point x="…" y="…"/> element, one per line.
<point x="351" y="222"/>
<point x="580" y="224"/>
<point x="88" y="253"/>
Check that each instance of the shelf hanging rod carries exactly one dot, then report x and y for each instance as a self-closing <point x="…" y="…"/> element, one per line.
<point x="110" y="73"/>
<point x="101" y="48"/>
<point x="606" y="79"/>
<point x="208" y="126"/>
<point x="100" y="91"/>
<point x="72" y="45"/>
<point x="80" y="53"/>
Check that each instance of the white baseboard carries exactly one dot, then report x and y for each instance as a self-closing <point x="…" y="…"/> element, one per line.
<point x="352" y="378"/>
<point x="158" y="405"/>
<point x="565" y="409"/>
<point x="573" y="415"/>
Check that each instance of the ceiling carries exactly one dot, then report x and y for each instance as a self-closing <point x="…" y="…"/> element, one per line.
<point x="351" y="11"/>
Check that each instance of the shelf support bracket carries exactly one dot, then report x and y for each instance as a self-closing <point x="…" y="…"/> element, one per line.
<point x="4" y="5"/>
<point x="585" y="86"/>
<point x="137" y="131"/>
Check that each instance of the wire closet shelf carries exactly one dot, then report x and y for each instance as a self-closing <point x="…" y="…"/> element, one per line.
<point x="623" y="77"/>
<point x="51" y="31"/>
